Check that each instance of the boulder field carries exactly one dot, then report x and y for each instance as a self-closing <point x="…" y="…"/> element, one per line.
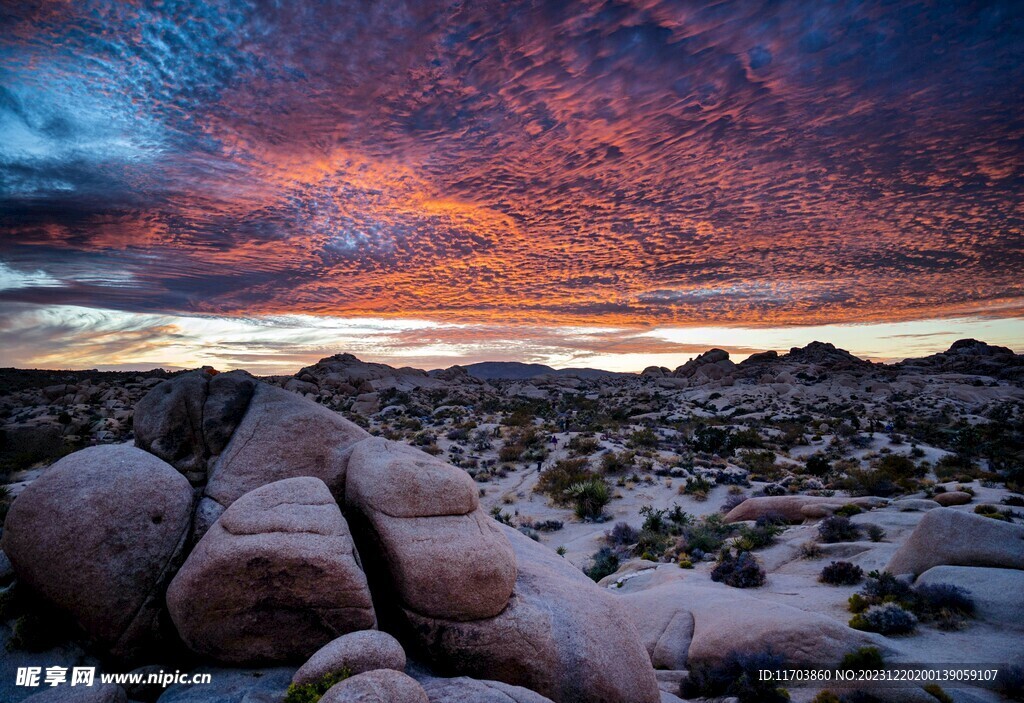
<point x="251" y="526"/>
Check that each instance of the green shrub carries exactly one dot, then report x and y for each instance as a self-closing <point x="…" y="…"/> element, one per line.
<point x="885" y="619"/>
<point x="643" y="438"/>
<point x="849" y="510"/>
<point x="837" y="529"/>
<point x="589" y="497"/>
<point x="556" y="481"/>
<point x="604" y="563"/>
<point x="741" y="570"/>
<point x="862" y="658"/>
<point x="841" y="573"/>
<point x="737" y="676"/>
<point x="312" y="692"/>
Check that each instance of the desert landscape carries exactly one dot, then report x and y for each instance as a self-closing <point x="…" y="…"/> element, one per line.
<point x="511" y="351"/>
<point x="570" y="535"/>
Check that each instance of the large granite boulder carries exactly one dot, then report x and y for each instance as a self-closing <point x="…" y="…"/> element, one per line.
<point x="466" y="690"/>
<point x="99" y="534"/>
<point x="188" y="419"/>
<point x="274" y="579"/>
<point x="948" y="536"/>
<point x="283" y="435"/>
<point x="231" y="433"/>
<point x="97" y="693"/>
<point x="356" y="652"/>
<point x="232" y="686"/>
<point x="381" y="686"/>
<point x="794" y="508"/>
<point x="998" y="594"/>
<point x="432" y="545"/>
<point x="560" y="636"/>
<point x="684" y="621"/>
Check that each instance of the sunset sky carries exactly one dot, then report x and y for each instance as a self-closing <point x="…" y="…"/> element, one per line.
<point x="610" y="184"/>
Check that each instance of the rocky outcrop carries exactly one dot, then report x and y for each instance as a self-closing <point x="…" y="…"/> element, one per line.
<point x="948" y="536"/>
<point x="466" y="690"/>
<point x="998" y="594"/>
<point x="275" y="578"/>
<point x="232" y="434"/>
<point x="356" y="652"/>
<point x="707" y="621"/>
<point x="560" y="636"/>
<point x="712" y="365"/>
<point x="97" y="693"/>
<point x="420" y="518"/>
<point x="282" y="435"/>
<point x="382" y="686"/>
<point x="795" y="508"/>
<point x="98" y="535"/>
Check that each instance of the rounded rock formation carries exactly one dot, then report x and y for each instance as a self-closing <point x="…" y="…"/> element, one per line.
<point x="98" y="534"/>
<point x="356" y="652"/>
<point x="275" y="578"/>
<point x="383" y="686"/>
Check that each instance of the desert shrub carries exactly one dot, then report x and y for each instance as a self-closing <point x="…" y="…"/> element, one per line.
<point x="712" y="440"/>
<point x="761" y="463"/>
<point x="313" y="691"/>
<point x="991" y="511"/>
<point x="875" y="533"/>
<point x="818" y="465"/>
<point x="706" y="536"/>
<point x="548" y="525"/>
<point x="867" y="482"/>
<point x="583" y="446"/>
<point x="737" y="676"/>
<point x="644" y="437"/>
<point x="841" y="573"/>
<point x="756" y="537"/>
<point x="511" y="452"/>
<point x="849" y="510"/>
<point x="883" y="585"/>
<point x="837" y="529"/>
<point x="862" y="658"/>
<point x="898" y="466"/>
<point x="935" y="691"/>
<point x="697" y="486"/>
<point x="622" y="534"/>
<point x="885" y="619"/>
<point x="810" y="550"/>
<point x="556" y="481"/>
<point x="939" y="599"/>
<point x="739" y="570"/>
<point x="604" y="563"/>
<point x="616" y="462"/>
<point x="589" y="497"/>
<point x="731" y="501"/>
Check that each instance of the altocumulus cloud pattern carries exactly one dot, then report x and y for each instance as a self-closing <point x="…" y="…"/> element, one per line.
<point x="551" y="163"/>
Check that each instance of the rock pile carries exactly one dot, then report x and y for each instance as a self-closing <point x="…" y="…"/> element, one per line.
<point x="261" y="528"/>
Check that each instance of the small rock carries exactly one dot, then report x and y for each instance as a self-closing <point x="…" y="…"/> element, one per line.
<point x="356" y="652"/>
<point x="382" y="686"/>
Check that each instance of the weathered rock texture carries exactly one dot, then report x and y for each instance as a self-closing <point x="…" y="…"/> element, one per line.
<point x="560" y="636"/>
<point x="275" y="578"/>
<point x="442" y="555"/>
<point x="355" y="652"/>
<point x="382" y="686"/>
<point x="948" y="536"/>
<point x="99" y="534"/>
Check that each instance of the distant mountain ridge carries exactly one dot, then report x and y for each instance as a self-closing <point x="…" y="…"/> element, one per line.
<point x="519" y="371"/>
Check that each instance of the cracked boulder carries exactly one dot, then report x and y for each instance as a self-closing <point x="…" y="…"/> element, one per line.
<point x="433" y="546"/>
<point x="283" y="435"/>
<point x="274" y="579"/>
<point x="231" y="433"/>
<point x="98" y="534"/>
<point x="560" y="636"/>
